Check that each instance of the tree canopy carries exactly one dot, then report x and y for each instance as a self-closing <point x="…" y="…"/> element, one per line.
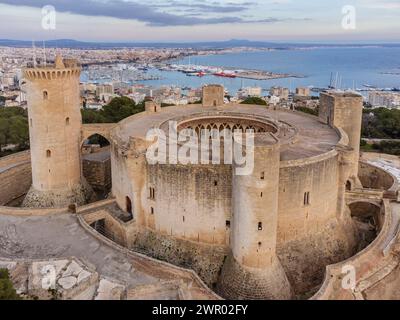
<point x="255" y="100"/>
<point x="118" y="109"/>
<point x="381" y="123"/>
<point x="14" y="129"/>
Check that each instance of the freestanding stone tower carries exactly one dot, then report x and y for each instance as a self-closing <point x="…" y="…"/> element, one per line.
<point x="55" y="132"/>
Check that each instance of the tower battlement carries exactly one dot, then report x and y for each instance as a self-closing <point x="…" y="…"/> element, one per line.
<point x="61" y="69"/>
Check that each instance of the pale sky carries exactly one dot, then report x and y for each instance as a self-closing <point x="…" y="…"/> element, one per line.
<point x="202" y="20"/>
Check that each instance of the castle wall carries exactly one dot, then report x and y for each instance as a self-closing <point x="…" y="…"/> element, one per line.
<point x="372" y="177"/>
<point x="205" y="260"/>
<point x="311" y="234"/>
<point x="15" y="176"/>
<point x="297" y="216"/>
<point x="97" y="173"/>
<point x="190" y="202"/>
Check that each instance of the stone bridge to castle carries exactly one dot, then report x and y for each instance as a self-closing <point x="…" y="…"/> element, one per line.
<point x="102" y="129"/>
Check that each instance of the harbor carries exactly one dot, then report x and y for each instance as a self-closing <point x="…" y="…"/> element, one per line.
<point x="225" y="72"/>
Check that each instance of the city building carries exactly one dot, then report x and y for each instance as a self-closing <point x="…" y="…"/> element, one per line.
<point x="250" y="92"/>
<point x="303" y="92"/>
<point x="105" y="92"/>
<point x="280" y="92"/>
<point x="384" y="99"/>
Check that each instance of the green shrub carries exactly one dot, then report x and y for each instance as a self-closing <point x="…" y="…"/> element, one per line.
<point x="7" y="291"/>
<point x="255" y="100"/>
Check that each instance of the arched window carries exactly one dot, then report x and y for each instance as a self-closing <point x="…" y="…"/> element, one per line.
<point x="260" y="226"/>
<point x="67" y="121"/>
<point x="48" y="153"/>
<point x="348" y="186"/>
<point x="45" y="95"/>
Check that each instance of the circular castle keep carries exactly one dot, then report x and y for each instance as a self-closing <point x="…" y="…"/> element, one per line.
<point x="268" y="234"/>
<point x="258" y="236"/>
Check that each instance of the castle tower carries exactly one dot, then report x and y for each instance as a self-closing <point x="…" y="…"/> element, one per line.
<point x="253" y="270"/>
<point x="213" y="95"/>
<point x="55" y="132"/>
<point x="344" y="110"/>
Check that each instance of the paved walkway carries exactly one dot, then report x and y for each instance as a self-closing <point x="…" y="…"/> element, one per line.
<point x="62" y="236"/>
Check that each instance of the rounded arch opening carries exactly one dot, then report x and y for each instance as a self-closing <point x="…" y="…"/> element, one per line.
<point x="368" y="219"/>
<point x="128" y="205"/>
<point x="96" y="165"/>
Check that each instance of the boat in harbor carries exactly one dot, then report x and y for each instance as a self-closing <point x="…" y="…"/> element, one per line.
<point x="225" y="74"/>
<point x="196" y="74"/>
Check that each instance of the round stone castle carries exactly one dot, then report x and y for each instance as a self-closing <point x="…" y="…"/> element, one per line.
<point x="268" y="234"/>
<point x="277" y="227"/>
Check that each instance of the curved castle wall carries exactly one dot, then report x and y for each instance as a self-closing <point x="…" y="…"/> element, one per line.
<point x="311" y="234"/>
<point x="15" y="176"/>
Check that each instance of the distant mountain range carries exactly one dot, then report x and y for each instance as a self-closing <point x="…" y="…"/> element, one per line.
<point x="74" y="44"/>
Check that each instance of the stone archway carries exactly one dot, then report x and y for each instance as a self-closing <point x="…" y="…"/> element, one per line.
<point x="96" y="165"/>
<point x="368" y="218"/>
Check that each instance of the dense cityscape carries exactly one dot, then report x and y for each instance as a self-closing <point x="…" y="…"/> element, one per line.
<point x="114" y="73"/>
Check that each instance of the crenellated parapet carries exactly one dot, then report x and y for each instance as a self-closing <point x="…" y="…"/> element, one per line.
<point x="34" y="74"/>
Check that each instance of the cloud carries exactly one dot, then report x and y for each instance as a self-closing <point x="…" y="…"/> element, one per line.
<point x="203" y="6"/>
<point x="148" y="13"/>
<point x="381" y="4"/>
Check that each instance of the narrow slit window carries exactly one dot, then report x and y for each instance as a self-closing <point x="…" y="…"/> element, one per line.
<point x="152" y="193"/>
<point x="48" y="154"/>
<point x="45" y="95"/>
<point x="260" y="226"/>
<point x="306" y="198"/>
<point x="262" y="176"/>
